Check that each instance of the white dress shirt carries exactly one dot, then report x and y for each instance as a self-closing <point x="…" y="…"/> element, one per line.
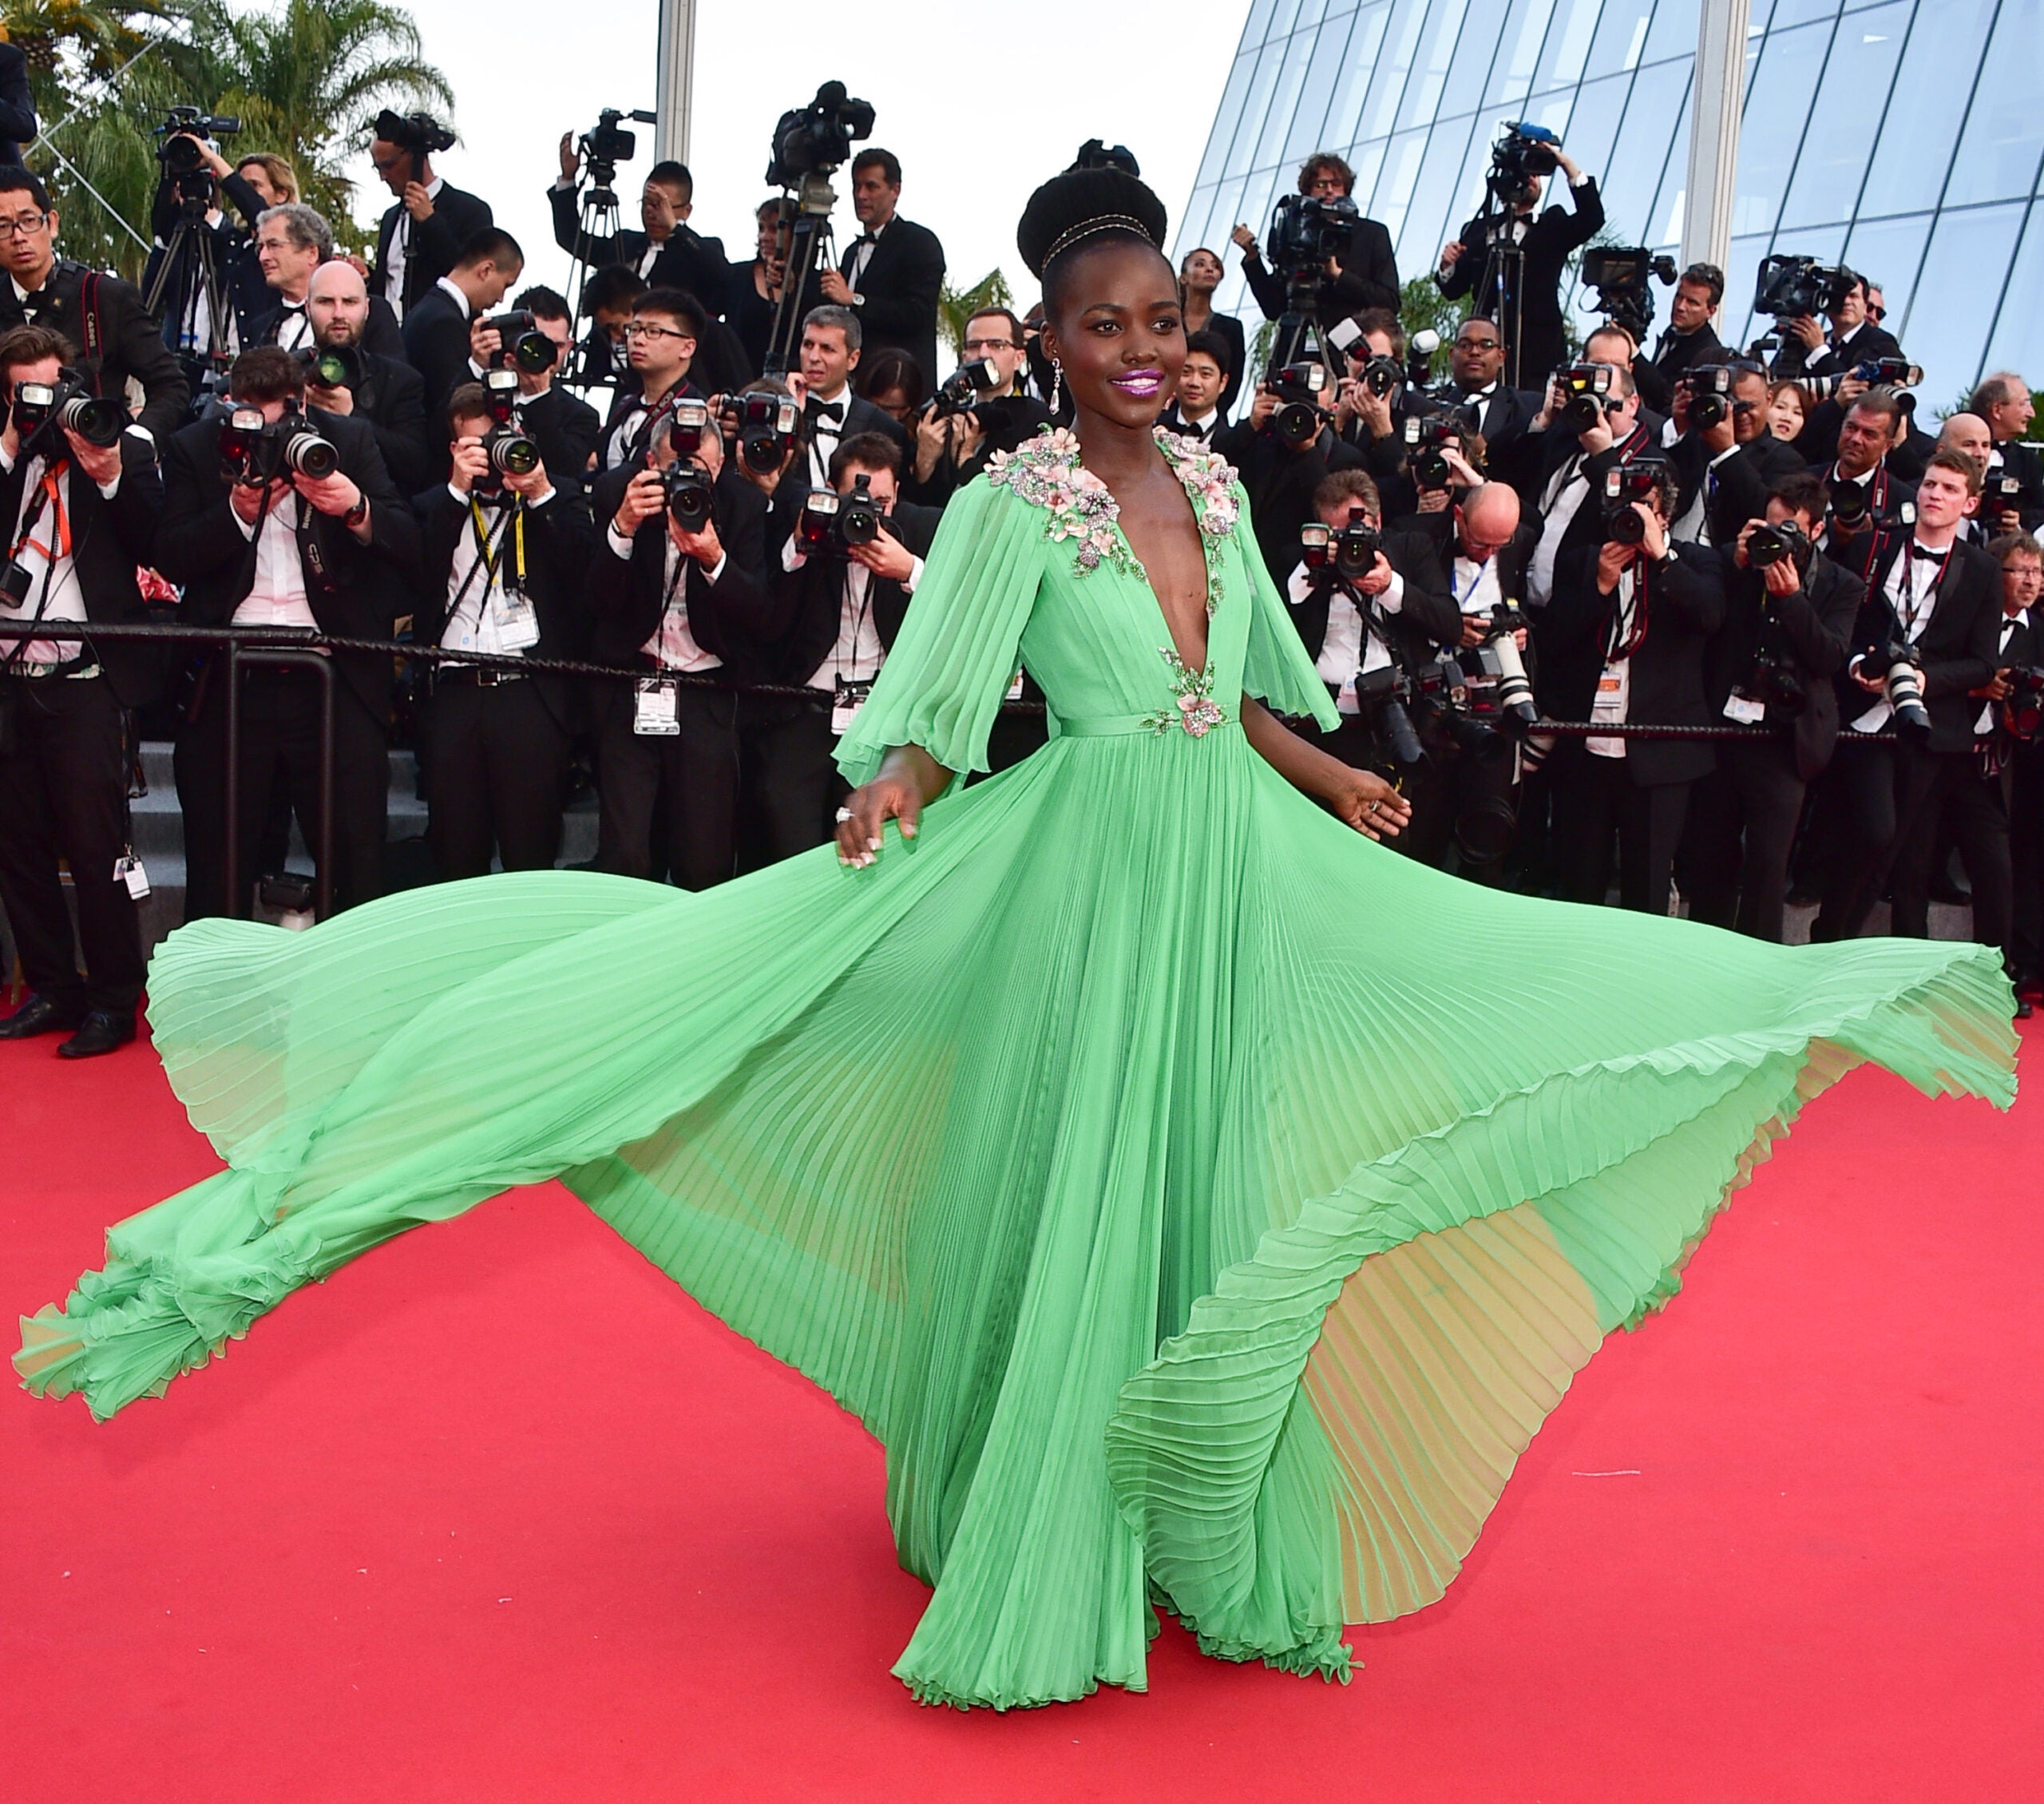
<point x="66" y="599"/>
<point x="671" y="645"/>
<point x="399" y="252"/>
<point x="472" y="622"/>
<point x="1912" y="590"/>
<point x="858" y="654"/>
<point x="1350" y="649"/>
<point x="862" y="251"/>
<point x="825" y="433"/>
<point x="1475" y="586"/>
<point x="1985" y="724"/>
<point x="277" y="595"/>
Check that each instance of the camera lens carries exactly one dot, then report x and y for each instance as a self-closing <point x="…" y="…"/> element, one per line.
<point x="309" y="454"/>
<point x="512" y="453"/>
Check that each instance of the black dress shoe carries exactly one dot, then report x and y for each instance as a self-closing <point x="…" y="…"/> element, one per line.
<point x="39" y="1015"/>
<point x="101" y="1032"/>
<point x="2024" y="1009"/>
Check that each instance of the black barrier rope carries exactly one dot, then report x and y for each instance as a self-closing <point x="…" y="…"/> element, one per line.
<point x="270" y="638"/>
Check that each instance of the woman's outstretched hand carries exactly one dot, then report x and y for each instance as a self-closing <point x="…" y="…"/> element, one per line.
<point x="1369" y="804"/>
<point x="868" y="808"/>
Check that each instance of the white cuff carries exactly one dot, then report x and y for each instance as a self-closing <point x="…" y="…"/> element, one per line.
<point x="1393" y="597"/>
<point x="1728" y="451"/>
<point x="459" y="495"/>
<point x="108" y="491"/>
<point x="915" y="576"/>
<point x="620" y="546"/>
<point x="710" y="575"/>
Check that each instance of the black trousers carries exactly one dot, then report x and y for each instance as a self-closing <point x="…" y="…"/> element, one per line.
<point x="669" y="802"/>
<point x="1951" y="792"/>
<point x="64" y="794"/>
<point x="498" y="777"/>
<point x="1596" y="798"/>
<point x="1742" y="828"/>
<point x="795" y="780"/>
<point x="281" y="750"/>
<point x="1427" y="786"/>
<point x="1855" y="830"/>
<point x="2025" y="792"/>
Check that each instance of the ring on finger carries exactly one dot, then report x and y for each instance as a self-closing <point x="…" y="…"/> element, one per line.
<point x="844" y="814"/>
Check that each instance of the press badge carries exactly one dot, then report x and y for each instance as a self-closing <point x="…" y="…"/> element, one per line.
<point x="517" y="623"/>
<point x="1745" y="710"/>
<point x="128" y="869"/>
<point x="844" y="709"/>
<point x="656" y="712"/>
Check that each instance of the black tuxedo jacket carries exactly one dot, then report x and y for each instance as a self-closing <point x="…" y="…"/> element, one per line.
<point x="435" y="243"/>
<point x="108" y="539"/>
<point x="381" y="333"/>
<point x="863" y="416"/>
<point x="1426" y="620"/>
<point x="559" y="542"/>
<point x="1543" y="346"/>
<point x="731" y="617"/>
<point x="18" y="120"/>
<point x="1737" y="488"/>
<point x="1227" y="328"/>
<point x="1368" y="278"/>
<point x="567" y="432"/>
<point x="436" y="346"/>
<point x="2021" y="465"/>
<point x="1675" y="353"/>
<point x="1814" y="624"/>
<point x="391" y="398"/>
<point x="1438" y="529"/>
<point x="1959" y="647"/>
<point x="808" y="604"/>
<point x="1869" y="342"/>
<point x="1279" y="482"/>
<point x="129" y="343"/>
<point x="1006" y="421"/>
<point x="903" y="281"/>
<point x="1685" y="606"/>
<point x="200" y="545"/>
<point x="688" y="261"/>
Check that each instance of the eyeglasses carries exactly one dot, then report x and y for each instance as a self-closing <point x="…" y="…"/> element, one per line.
<point x="1479" y="344"/>
<point x="23" y="224"/>
<point x="989" y="344"/>
<point x="1877" y="314"/>
<point x="639" y="329"/>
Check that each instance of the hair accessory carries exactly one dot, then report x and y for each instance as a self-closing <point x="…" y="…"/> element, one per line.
<point x="1107" y="222"/>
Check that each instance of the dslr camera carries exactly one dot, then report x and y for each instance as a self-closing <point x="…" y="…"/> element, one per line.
<point x="834" y="523"/>
<point x="1895" y="663"/>
<point x="1427" y="441"/>
<point x="519" y="341"/>
<point x="1620" y="279"/>
<point x="764" y="427"/>
<point x="334" y="365"/>
<point x="1890" y="372"/>
<point x="1588" y="388"/>
<point x="1767" y="544"/>
<point x="1525" y="151"/>
<point x="418" y="133"/>
<point x="960" y="390"/>
<point x="43" y="411"/>
<point x="1348" y="553"/>
<point x="1800" y="287"/>
<point x="2022" y="710"/>
<point x="509" y="451"/>
<point x="812" y="139"/>
<point x="1709" y="387"/>
<point x="254" y="450"/>
<point x="1381" y="375"/>
<point x="1500" y="692"/>
<point x="687" y="485"/>
<point x="1298" y="387"/>
<point x="1641" y="479"/>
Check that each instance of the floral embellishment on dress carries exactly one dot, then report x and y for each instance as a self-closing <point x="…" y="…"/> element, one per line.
<point x="1196" y="711"/>
<point x="1046" y="472"/>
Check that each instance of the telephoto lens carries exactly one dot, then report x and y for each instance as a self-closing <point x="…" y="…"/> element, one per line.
<point x="97" y="421"/>
<point x="1380" y="694"/>
<point x="334" y="366"/>
<point x="519" y="341"/>
<point x="510" y="452"/>
<point x="1895" y="663"/>
<point x="305" y="452"/>
<point x="1514" y="691"/>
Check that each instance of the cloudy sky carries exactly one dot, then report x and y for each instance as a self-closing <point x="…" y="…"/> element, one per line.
<point x="960" y="103"/>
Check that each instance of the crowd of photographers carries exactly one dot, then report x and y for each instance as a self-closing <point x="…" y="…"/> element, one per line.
<point x="1658" y="533"/>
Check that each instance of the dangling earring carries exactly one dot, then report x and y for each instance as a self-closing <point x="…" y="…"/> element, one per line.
<point x="1057" y="386"/>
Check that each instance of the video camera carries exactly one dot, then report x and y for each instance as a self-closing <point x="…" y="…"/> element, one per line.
<point x="1526" y="152"/>
<point x="607" y="143"/>
<point x="960" y="390"/>
<point x="1306" y="230"/>
<point x="815" y="138"/>
<point x="764" y="427"/>
<point x="832" y="523"/>
<point x="1801" y="288"/>
<point x="1895" y="664"/>
<point x="519" y="341"/>
<point x="1709" y="387"/>
<point x="43" y="411"/>
<point x="1641" y="479"/>
<point x="1299" y="414"/>
<point x="420" y="133"/>
<point x="254" y="450"/>
<point x="1620" y="278"/>
<point x="177" y="150"/>
<point x="1350" y="552"/>
<point x="1588" y="387"/>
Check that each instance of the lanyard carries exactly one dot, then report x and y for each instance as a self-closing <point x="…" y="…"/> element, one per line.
<point x="52" y="495"/>
<point x="1628" y="625"/>
<point x="1913" y="608"/>
<point x="858" y="619"/>
<point x="490" y="556"/>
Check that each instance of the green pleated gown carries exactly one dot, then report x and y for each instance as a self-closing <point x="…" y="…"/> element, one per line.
<point x="1202" y="1204"/>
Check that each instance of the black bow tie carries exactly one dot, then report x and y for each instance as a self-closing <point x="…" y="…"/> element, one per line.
<point x="1924" y="552"/>
<point x="866" y="238"/>
<point x="834" y="410"/>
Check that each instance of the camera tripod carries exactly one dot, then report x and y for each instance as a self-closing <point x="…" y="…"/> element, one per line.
<point x="599" y="218"/>
<point x="190" y="269"/>
<point x="1503" y="282"/>
<point x="1295" y="338"/>
<point x="806" y="215"/>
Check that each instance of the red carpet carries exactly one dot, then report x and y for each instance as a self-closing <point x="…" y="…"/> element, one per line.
<point x="499" y="1514"/>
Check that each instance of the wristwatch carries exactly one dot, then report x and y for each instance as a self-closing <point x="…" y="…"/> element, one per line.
<point x="858" y="299"/>
<point x="356" y="515"/>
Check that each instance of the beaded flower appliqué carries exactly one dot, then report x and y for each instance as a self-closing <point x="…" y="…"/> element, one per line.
<point x="1197" y="711"/>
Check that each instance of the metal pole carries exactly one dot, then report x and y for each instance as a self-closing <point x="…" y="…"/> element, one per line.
<point x="1715" y="96"/>
<point x="676" y="81"/>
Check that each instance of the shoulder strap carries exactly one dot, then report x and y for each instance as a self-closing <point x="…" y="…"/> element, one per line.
<point x="89" y="324"/>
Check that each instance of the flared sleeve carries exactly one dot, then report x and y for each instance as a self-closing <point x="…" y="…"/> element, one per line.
<point x="1276" y="669"/>
<point x="943" y="681"/>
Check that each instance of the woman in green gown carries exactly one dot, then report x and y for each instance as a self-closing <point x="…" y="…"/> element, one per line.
<point x="1131" y="1143"/>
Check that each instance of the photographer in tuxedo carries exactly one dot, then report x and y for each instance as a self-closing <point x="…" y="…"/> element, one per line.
<point x="892" y="272"/>
<point x="385" y="393"/>
<point x="660" y="351"/>
<point x="337" y="553"/>
<point x="80" y="518"/>
<point x="421" y="237"/>
<point x="666" y="252"/>
<point x="183" y="304"/>
<point x="669" y="596"/>
<point x="952" y="447"/>
<point x="1364" y="274"/>
<point x="1195" y="411"/>
<point x="1367" y="633"/>
<point x="1789" y="615"/>
<point x="1939" y="601"/>
<point x="836" y="609"/>
<point x="2013" y="500"/>
<point x="1573" y="442"/>
<point x="1622" y="640"/>
<point x="1547" y="243"/>
<point x="1690" y="339"/>
<point x="1870" y="504"/>
<point x="1815" y="358"/>
<point x="503" y="557"/>
<point x="1725" y="465"/>
<point x="833" y="343"/>
<point x="101" y="314"/>
<point x="2021" y="559"/>
<point x="1475" y="381"/>
<point x="606" y="299"/>
<point x="439" y="328"/>
<point x="566" y="429"/>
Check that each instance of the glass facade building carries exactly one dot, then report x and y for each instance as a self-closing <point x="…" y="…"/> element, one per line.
<point x="1903" y="136"/>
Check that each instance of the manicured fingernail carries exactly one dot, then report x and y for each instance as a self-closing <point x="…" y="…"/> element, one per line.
<point x="908" y="830"/>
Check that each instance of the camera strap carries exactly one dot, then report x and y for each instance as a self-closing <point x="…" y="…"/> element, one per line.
<point x="48" y="493"/>
<point x="88" y="325"/>
<point x="1912" y="609"/>
<point x="1626" y="629"/>
<point x="489" y="551"/>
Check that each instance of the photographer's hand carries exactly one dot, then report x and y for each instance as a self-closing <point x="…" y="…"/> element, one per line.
<point x="534" y="486"/>
<point x="1994" y="689"/>
<point x="100" y="462"/>
<point x="1807" y="330"/>
<point x="1375" y="412"/>
<point x="645" y="495"/>
<point x="1739" y="550"/>
<point x="485" y="343"/>
<point x="1466" y="474"/>
<point x="249" y="500"/>
<point x="1567" y="166"/>
<point x="1599" y="436"/>
<point x="1850" y="389"/>
<point x="471" y="464"/>
<point x="336" y="496"/>
<point x="10" y="440"/>
<point x="330" y="400"/>
<point x="1654" y="539"/>
<point x="1781" y="578"/>
<point x="1721" y="438"/>
<point x="1451" y="254"/>
<point x="1262" y="407"/>
<point x="417" y="202"/>
<point x="835" y="288"/>
<point x="886" y="557"/>
<point x="1244" y="240"/>
<point x="1432" y="500"/>
<point x="1379" y="579"/>
<point x="1612" y="559"/>
<point x="571" y="160"/>
<point x="1553" y="405"/>
<point x="705" y="547"/>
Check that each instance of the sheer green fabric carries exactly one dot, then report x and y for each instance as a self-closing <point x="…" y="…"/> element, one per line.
<point x="1138" y="1152"/>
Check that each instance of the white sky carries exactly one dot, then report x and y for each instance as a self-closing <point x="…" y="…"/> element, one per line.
<point x="969" y="157"/>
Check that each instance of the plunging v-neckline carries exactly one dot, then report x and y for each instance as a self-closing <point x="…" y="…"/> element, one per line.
<point x="1199" y="538"/>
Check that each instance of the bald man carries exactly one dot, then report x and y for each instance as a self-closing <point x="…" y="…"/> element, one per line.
<point x="385" y="392"/>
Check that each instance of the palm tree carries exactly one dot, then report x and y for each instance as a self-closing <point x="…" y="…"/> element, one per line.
<point x="955" y="307"/>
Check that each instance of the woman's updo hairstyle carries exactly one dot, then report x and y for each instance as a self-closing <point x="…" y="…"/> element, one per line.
<point x="1079" y="212"/>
